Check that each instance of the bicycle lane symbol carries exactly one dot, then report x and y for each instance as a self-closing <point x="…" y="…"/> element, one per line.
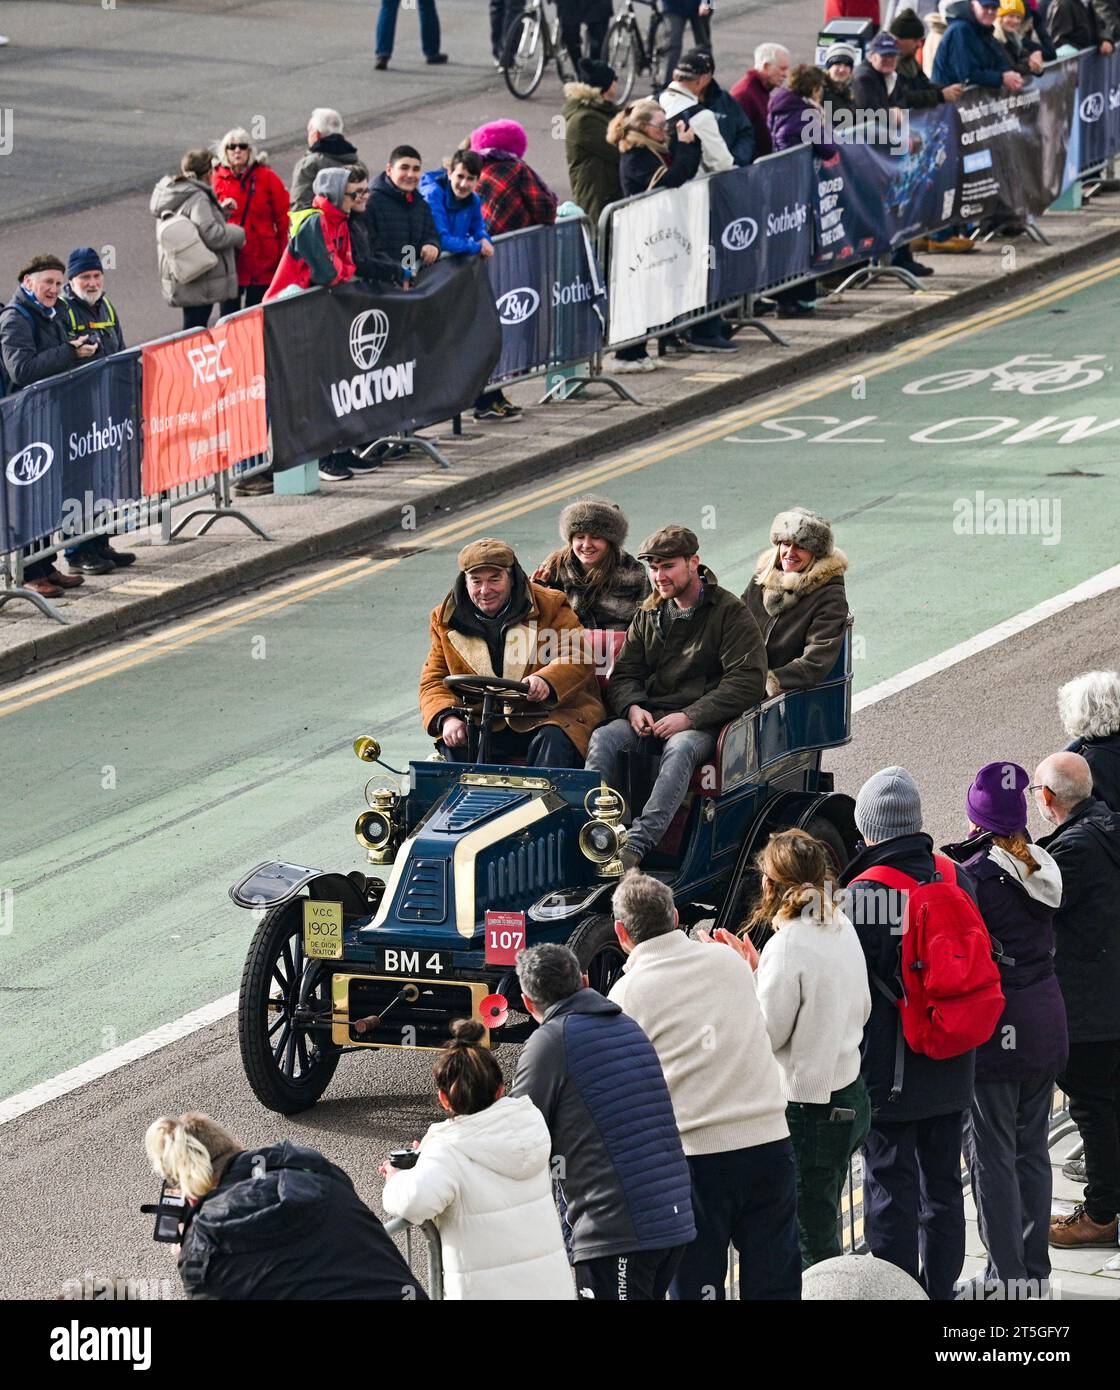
<point x="1029" y="374"/>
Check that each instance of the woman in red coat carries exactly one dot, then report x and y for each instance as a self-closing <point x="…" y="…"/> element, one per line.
<point x="852" y="9"/>
<point x="254" y="197"/>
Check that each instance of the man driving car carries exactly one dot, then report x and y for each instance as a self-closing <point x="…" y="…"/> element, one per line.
<point x="497" y="623"/>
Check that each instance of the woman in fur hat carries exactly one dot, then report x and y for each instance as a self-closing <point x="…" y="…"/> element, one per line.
<point x="797" y="598"/>
<point x="603" y="583"/>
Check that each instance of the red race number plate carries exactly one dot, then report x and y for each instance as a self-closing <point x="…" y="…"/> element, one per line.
<point x="505" y="936"/>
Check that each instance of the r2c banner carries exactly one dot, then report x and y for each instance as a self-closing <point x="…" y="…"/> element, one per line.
<point x="761" y="224"/>
<point x="70" y="447"/>
<point x="349" y="364"/>
<point x="204" y="405"/>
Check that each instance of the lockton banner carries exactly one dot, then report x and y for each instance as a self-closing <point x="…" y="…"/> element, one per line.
<point x="348" y="365"/>
<point x="204" y="405"/>
<point x="761" y="225"/>
<point x="70" y="447"/>
<point x="658" y="259"/>
<point x="1014" y="144"/>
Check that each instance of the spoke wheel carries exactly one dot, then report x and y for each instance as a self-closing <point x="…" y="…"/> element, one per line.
<point x="289" y="1066"/>
<point x="524" y="54"/>
<point x="598" y="951"/>
<point x="621" y="51"/>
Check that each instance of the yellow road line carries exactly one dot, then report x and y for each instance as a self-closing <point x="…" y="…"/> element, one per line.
<point x="184" y="634"/>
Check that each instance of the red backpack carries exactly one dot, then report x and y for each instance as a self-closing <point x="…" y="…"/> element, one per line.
<point x="951" y="997"/>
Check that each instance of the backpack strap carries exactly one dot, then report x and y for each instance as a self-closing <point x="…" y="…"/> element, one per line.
<point x="946" y="868"/>
<point x="902" y="883"/>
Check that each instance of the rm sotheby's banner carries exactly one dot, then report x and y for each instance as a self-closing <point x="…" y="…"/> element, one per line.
<point x="1098" y="107"/>
<point x="1013" y="145"/>
<point x="347" y="365"/>
<point x="659" y="262"/>
<point x="204" y="402"/>
<point x="70" y="447"/>
<point x="761" y="224"/>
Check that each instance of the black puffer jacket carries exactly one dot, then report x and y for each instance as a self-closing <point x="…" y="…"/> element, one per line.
<point x="1087" y="925"/>
<point x="1103" y="757"/>
<point x="35" y="344"/>
<point x="298" y="1231"/>
<point x="929" y="1088"/>
<point x="399" y="223"/>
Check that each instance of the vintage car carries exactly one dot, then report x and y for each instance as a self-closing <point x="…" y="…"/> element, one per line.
<point x="481" y="859"/>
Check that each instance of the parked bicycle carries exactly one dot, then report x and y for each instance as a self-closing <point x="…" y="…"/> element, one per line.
<point x="630" y="54"/>
<point x="531" y="44"/>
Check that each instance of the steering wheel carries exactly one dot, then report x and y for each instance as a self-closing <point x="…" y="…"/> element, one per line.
<point x="477" y="687"/>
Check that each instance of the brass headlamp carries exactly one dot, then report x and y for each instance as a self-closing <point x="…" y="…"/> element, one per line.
<point x="378" y="829"/>
<point x="602" y="838"/>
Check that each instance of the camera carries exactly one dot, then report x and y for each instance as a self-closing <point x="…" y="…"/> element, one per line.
<point x="403" y="1158"/>
<point x="173" y="1214"/>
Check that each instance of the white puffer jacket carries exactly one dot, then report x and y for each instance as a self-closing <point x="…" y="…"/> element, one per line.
<point x="484" y="1180"/>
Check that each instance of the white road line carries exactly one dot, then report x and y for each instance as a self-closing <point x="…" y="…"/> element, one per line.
<point x="116" y="1058"/>
<point x="1092" y="588"/>
<point x="125" y="1055"/>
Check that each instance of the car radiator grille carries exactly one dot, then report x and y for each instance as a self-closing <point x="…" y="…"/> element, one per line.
<point x="527" y="868"/>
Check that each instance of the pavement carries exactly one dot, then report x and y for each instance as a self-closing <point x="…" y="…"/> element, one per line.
<point x="398" y="504"/>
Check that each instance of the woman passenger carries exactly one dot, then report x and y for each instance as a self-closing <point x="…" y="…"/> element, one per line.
<point x="603" y="583"/>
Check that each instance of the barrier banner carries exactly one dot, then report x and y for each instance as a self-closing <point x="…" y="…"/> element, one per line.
<point x="761" y="225"/>
<point x="847" y="208"/>
<point x="204" y="406"/>
<point x="579" y="294"/>
<point x="1098" y="108"/>
<point x="71" y="449"/>
<point x="348" y="365"/>
<point x="1014" y="145"/>
<point x="659" y="266"/>
<point x="522" y="265"/>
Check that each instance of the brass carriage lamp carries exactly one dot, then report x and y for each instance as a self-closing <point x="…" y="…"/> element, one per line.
<point x="602" y="838"/>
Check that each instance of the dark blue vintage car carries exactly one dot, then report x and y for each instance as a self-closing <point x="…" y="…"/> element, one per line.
<point x="481" y="859"/>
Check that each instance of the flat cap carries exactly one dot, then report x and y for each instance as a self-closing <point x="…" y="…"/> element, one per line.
<point x="486" y="554"/>
<point x="668" y="543"/>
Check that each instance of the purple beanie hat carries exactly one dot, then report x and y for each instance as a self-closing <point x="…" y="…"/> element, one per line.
<point x="508" y="136"/>
<point x="997" y="798"/>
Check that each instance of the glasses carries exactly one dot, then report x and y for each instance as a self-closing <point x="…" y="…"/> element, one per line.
<point x="1039" y="787"/>
<point x="236" y="145"/>
<point x="358" y="192"/>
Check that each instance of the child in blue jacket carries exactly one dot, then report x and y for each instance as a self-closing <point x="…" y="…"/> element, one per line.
<point x="457" y="213"/>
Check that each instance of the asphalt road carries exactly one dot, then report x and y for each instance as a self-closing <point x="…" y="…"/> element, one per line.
<point x="221" y="759"/>
<point x="96" y="105"/>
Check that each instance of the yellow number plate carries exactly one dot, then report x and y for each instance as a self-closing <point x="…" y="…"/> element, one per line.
<point x="322" y="930"/>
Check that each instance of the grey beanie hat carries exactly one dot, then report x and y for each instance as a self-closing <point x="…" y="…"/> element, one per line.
<point x="807" y="529"/>
<point x="888" y="804"/>
<point x="594" y="516"/>
<point x="331" y="183"/>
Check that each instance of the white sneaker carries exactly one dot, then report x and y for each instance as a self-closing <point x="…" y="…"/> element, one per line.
<point x="3" y="40"/>
<point x="632" y="364"/>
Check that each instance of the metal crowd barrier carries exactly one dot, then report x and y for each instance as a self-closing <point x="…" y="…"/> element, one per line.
<point x="434" y="1248"/>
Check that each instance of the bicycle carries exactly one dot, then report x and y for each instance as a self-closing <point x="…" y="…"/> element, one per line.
<point x="629" y="54"/>
<point x="530" y="44"/>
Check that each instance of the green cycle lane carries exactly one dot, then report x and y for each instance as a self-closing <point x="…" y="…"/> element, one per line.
<point x="132" y="802"/>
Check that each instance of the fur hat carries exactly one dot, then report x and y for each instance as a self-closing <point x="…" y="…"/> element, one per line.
<point x="594" y="516"/>
<point x="507" y="136"/>
<point x="807" y="529"/>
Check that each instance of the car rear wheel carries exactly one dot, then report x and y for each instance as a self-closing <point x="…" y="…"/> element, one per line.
<point x="598" y="952"/>
<point x="289" y="1066"/>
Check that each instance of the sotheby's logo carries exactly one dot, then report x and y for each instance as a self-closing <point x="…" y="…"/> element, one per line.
<point x="740" y="234"/>
<point x="29" y="465"/>
<point x="1092" y="108"/>
<point x="368" y="335"/>
<point x="515" y="306"/>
